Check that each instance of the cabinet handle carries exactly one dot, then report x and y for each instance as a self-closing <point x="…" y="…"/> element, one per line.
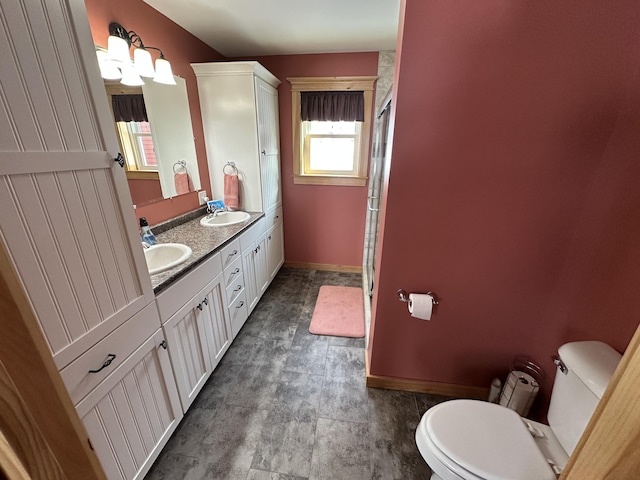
<point x="264" y="152"/>
<point x="269" y="237"/>
<point x="258" y="247"/>
<point x="277" y="217"/>
<point x="240" y="305"/>
<point x="255" y="250"/>
<point x="199" y="306"/>
<point x="235" y="252"/>
<point x="163" y="344"/>
<point x="237" y="270"/>
<point x="106" y="363"/>
<point x="205" y="300"/>
<point x="237" y="289"/>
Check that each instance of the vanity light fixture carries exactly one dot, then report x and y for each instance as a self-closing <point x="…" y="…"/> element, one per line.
<point x="115" y="62"/>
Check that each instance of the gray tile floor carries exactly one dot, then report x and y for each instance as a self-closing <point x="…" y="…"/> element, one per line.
<point x="287" y="405"/>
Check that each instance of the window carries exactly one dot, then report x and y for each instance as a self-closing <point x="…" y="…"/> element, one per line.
<point x="133" y="130"/>
<point x="137" y="143"/>
<point x="328" y="151"/>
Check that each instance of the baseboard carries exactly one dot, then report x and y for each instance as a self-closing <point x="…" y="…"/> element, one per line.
<point x="424" y="386"/>
<point x="324" y="266"/>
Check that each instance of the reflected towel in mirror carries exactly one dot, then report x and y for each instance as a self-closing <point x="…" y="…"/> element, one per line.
<point x="183" y="183"/>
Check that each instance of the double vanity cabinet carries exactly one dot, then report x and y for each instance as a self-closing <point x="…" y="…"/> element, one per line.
<point x="203" y="311"/>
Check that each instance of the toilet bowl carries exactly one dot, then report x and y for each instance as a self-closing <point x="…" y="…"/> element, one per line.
<point x="475" y="440"/>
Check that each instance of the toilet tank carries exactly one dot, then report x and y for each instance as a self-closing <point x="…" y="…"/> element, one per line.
<point x="576" y="393"/>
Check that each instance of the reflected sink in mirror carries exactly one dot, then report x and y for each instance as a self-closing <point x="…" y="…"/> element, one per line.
<point x="223" y="219"/>
<point x="164" y="256"/>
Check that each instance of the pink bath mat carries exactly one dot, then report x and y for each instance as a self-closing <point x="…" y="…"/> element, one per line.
<point x="339" y="312"/>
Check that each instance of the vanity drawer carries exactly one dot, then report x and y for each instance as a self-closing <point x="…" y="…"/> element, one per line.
<point x="273" y="218"/>
<point x="233" y="272"/>
<point x="116" y="347"/>
<point x="230" y="253"/>
<point x="238" y="312"/>
<point x="235" y="288"/>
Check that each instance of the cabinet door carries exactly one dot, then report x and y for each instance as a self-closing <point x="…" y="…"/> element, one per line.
<point x="131" y="415"/>
<point x="188" y="348"/>
<point x="275" y="250"/>
<point x="251" y="285"/>
<point x="215" y="318"/>
<point x="65" y="209"/>
<point x="269" y="138"/>
<point x="262" y="274"/>
<point x="267" y="113"/>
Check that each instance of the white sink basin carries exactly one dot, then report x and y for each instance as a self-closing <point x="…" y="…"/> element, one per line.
<point x="164" y="256"/>
<point x="223" y="219"/>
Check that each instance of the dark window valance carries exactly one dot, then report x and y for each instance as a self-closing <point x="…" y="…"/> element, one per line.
<point x="332" y="106"/>
<point x="129" y="108"/>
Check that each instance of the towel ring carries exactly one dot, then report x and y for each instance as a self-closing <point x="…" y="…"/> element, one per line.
<point x="232" y="165"/>
<point x="180" y="167"/>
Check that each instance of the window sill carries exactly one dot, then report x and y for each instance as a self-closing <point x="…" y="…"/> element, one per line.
<point x="142" y="175"/>
<point x="329" y="180"/>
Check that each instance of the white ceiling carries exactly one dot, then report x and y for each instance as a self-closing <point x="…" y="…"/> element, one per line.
<point x="238" y="28"/>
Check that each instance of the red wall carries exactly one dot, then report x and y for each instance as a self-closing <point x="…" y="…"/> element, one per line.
<point x="322" y="224"/>
<point x="181" y="49"/>
<point x="513" y="187"/>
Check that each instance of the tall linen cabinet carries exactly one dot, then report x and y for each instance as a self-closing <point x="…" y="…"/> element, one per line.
<point x="239" y="105"/>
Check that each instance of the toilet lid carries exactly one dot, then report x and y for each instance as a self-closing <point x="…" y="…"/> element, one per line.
<point x="488" y="440"/>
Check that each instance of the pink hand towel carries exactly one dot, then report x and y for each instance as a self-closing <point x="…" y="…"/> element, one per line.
<point x="231" y="188"/>
<point x="183" y="183"/>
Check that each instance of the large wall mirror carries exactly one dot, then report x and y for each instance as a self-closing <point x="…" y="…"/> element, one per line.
<point x="154" y="129"/>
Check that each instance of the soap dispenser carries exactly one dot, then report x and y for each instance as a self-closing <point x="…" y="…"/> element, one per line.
<point x="147" y="234"/>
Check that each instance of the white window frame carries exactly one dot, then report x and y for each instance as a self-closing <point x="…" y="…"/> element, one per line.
<point x="314" y="84"/>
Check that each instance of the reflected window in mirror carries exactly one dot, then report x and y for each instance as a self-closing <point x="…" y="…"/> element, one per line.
<point x="157" y="135"/>
<point x="137" y="143"/>
<point x="134" y="131"/>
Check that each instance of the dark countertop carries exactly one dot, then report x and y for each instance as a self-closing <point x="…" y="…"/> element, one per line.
<point x="204" y="242"/>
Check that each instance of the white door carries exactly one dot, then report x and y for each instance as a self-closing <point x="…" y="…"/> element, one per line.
<point x="65" y="209"/>
<point x="251" y="286"/>
<point x="269" y="141"/>
<point x="188" y="348"/>
<point x="275" y="250"/>
<point x="215" y="318"/>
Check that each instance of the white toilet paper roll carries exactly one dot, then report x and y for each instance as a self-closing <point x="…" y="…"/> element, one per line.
<point x="519" y="392"/>
<point x="420" y="305"/>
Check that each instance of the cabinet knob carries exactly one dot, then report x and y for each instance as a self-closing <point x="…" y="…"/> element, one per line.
<point x="199" y="306"/>
<point x="240" y="305"/>
<point x="205" y="300"/>
<point x="235" y="252"/>
<point x="237" y="289"/>
<point x="237" y="270"/>
<point x="269" y="237"/>
<point x="163" y="344"/>
<point x="105" y="364"/>
<point x="264" y="152"/>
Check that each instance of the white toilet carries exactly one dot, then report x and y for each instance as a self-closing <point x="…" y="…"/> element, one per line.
<point x="475" y="440"/>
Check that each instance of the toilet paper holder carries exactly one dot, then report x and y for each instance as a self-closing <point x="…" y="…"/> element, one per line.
<point x="403" y="296"/>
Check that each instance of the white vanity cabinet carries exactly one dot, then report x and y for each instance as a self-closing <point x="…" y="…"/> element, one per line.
<point x="239" y="105"/>
<point x="197" y="326"/>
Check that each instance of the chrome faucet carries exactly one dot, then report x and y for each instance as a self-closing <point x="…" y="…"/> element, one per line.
<point x="216" y="211"/>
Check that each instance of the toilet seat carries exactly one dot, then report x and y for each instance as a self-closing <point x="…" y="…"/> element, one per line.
<point x="480" y="440"/>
